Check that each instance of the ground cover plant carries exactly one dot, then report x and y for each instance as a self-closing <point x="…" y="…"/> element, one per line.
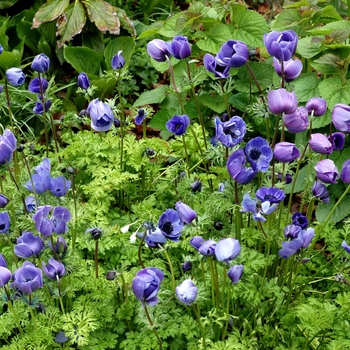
<point x="174" y="175"/>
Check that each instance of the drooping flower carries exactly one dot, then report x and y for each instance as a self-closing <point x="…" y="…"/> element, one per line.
<point x="259" y="152"/>
<point x="8" y="145"/>
<point x="34" y="85"/>
<point x="285" y="152"/>
<point x="3" y="201"/>
<point x="180" y="48"/>
<point x="196" y="186"/>
<point x="118" y="61"/>
<point x="227" y="249"/>
<point x="158" y="49"/>
<point x="41" y="63"/>
<point x="341" y="117"/>
<point x="186" y="292"/>
<point x="141" y="115"/>
<point x="317" y="106"/>
<point x="3" y="262"/>
<point x="59" y="186"/>
<point x="233" y="53"/>
<point x="320" y="144"/>
<point x="251" y="205"/>
<point x="38" y="108"/>
<point x="326" y="171"/>
<point x="27" y="278"/>
<point x="230" y="133"/>
<point x="54" y="270"/>
<point x="271" y="194"/>
<point x="212" y="65"/>
<point x="235" y="273"/>
<point x="4" y="222"/>
<point x="345" y="172"/>
<point x="146" y="285"/>
<point x="95" y="233"/>
<point x="153" y="236"/>
<point x="186" y="266"/>
<point x="178" y="124"/>
<point x="299" y="219"/>
<point x="281" y="45"/>
<point x="28" y="245"/>
<point x="237" y="170"/>
<point x="170" y="225"/>
<point x="292" y="69"/>
<point x="83" y="81"/>
<point x="15" y="76"/>
<point x="281" y="101"/>
<point x="101" y="115"/>
<point x="319" y="190"/>
<point x="60" y="217"/>
<point x="297" y="121"/>
<point x="5" y="276"/>
<point x="337" y="140"/>
<point x="186" y="213"/>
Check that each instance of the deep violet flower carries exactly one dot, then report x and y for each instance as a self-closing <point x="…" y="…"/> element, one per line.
<point x="186" y="292"/>
<point x="28" y="245"/>
<point x="8" y="145"/>
<point x="146" y="285"/>
<point x="319" y="190"/>
<point x="299" y="219"/>
<point x="207" y="248"/>
<point x="153" y="236"/>
<point x="178" y="124"/>
<point x="271" y="194"/>
<point x="292" y="69"/>
<point x="95" y="233"/>
<point x="235" y="273"/>
<point x="158" y="49"/>
<point x="60" y="246"/>
<point x="59" y="186"/>
<point x="196" y="186"/>
<point x="281" y="45"/>
<point x="259" y="152"/>
<point x="3" y="201"/>
<point x="54" y="270"/>
<point x="118" y="61"/>
<point x="292" y="231"/>
<point x="285" y="152"/>
<point x="251" y="205"/>
<point x="196" y="242"/>
<point x="233" y="53"/>
<point x="101" y="115"/>
<point x="212" y="65"/>
<point x="337" y="140"/>
<point x="341" y="117"/>
<point x="297" y="121"/>
<point x="345" y="172"/>
<point x="170" y="225"/>
<point x="83" y="81"/>
<point x="41" y="63"/>
<point x="141" y="115"/>
<point x="237" y="170"/>
<point x="282" y="101"/>
<point x="320" y="144"/>
<point x="186" y="213"/>
<point x="186" y="266"/>
<point x="27" y="278"/>
<point x="346" y="247"/>
<point x="326" y="171"/>
<point x="227" y="249"/>
<point x="5" y="276"/>
<point x="34" y="85"/>
<point x="15" y="76"/>
<point x="317" y="106"/>
<point x="303" y="241"/>
<point x="4" y="222"/>
<point x="38" y="108"/>
<point x="230" y="133"/>
<point x="180" y="48"/>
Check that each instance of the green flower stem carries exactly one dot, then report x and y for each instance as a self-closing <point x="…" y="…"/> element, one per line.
<point x="152" y="326"/>
<point x="74" y="233"/>
<point x="217" y="290"/>
<point x="186" y="154"/>
<point x="196" y="310"/>
<point x="275" y="132"/>
<point x="171" y="71"/>
<point x="255" y="80"/>
<point x="30" y="177"/>
<point x="282" y="74"/>
<point x="203" y="275"/>
<point x="262" y="230"/>
<point x="60" y="294"/>
<point x="31" y="312"/>
<point x="96" y="258"/>
<point x="212" y="281"/>
<point x="171" y="270"/>
<point x="8" y="102"/>
<point x="53" y="250"/>
<point x="331" y="213"/>
<point x="228" y="314"/>
<point x="139" y="250"/>
<point x="122" y="121"/>
<point x="225" y="98"/>
<point x="16" y="184"/>
<point x="11" y="308"/>
<point x="268" y="255"/>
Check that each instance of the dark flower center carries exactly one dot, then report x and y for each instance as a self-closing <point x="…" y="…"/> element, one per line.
<point x="178" y="126"/>
<point x="167" y="227"/>
<point x="229" y="131"/>
<point x="2" y="226"/>
<point x="269" y="196"/>
<point x="220" y="68"/>
<point x="255" y="153"/>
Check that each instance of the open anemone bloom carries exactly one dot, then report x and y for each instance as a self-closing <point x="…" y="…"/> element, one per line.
<point x="236" y="168"/>
<point x="259" y="152"/>
<point x="27" y="278"/>
<point x="286" y="152"/>
<point x="341" y="117"/>
<point x="227" y="249"/>
<point x="316" y="106"/>
<point x="294" y="246"/>
<point x="44" y="165"/>
<point x="41" y="182"/>
<point x="235" y="273"/>
<point x="170" y="225"/>
<point x="146" y="285"/>
<point x="101" y="115"/>
<point x="179" y="47"/>
<point x="281" y="45"/>
<point x="28" y="245"/>
<point x="299" y="219"/>
<point x="326" y="171"/>
<point x="252" y="206"/>
<point x="212" y="65"/>
<point x="292" y="69"/>
<point x="8" y="144"/>
<point x="59" y="186"/>
<point x="186" y="292"/>
<point x="271" y="194"/>
<point x="281" y="101"/>
<point x="292" y="231"/>
<point x="153" y="236"/>
<point x="178" y="124"/>
<point x="4" y="222"/>
<point x="39" y="109"/>
<point x="319" y="190"/>
<point x="233" y="53"/>
<point x="54" y="270"/>
<point x="158" y="49"/>
<point x="230" y="133"/>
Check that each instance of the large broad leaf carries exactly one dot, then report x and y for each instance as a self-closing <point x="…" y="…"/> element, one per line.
<point x="250" y="28"/>
<point x="214" y="39"/>
<point x="31" y="37"/>
<point x="83" y="59"/>
<point x="103" y="15"/>
<point x="4" y="4"/>
<point x="159" y="120"/>
<point x="334" y="91"/>
<point x="126" y="44"/>
<point x="308" y="47"/>
<point x="152" y="96"/>
<point x="214" y="102"/>
<point x="306" y="86"/>
<point x="342" y="210"/>
<point x="49" y="11"/>
<point x="330" y="27"/>
<point x="13" y="58"/>
<point x="71" y="23"/>
<point x="105" y="87"/>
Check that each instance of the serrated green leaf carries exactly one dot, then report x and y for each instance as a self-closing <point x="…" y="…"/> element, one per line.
<point x="49" y="11"/>
<point x="251" y="28"/>
<point x="330" y="27"/>
<point x="240" y="100"/>
<point x="83" y="59"/>
<point x="287" y="19"/>
<point x="215" y="37"/>
<point x="319" y="122"/>
<point x="160" y="118"/>
<point x="288" y="4"/>
<point x="308" y="48"/>
<point x="103" y="15"/>
<point x="323" y="68"/>
<point x="342" y="210"/>
<point x="152" y="96"/>
<point x="216" y="103"/>
<point x="306" y="86"/>
<point x="334" y="91"/>
<point x="168" y="27"/>
<point x="71" y="24"/>
<point x="126" y="44"/>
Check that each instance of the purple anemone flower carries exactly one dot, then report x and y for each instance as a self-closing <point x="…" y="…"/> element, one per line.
<point x="153" y="236"/>
<point x="230" y="133"/>
<point x="303" y="241"/>
<point x="41" y="63"/>
<point x="299" y="219"/>
<point x="27" y="278"/>
<point x="54" y="270"/>
<point x="251" y="205"/>
<point x="186" y="213"/>
<point x="341" y="117"/>
<point x="5" y="276"/>
<point x="4" y="222"/>
<point x="118" y="61"/>
<point x="170" y="225"/>
<point x="8" y="144"/>
<point x="186" y="292"/>
<point x="38" y="108"/>
<point x="345" y="172"/>
<point x="346" y="247"/>
<point x="319" y="190"/>
<point x="83" y="81"/>
<point x="158" y="49"/>
<point x="178" y="124"/>
<point x="281" y="45"/>
<point x="235" y="273"/>
<point x="101" y="115"/>
<point x="3" y="201"/>
<point x="281" y="101"/>
<point x="227" y="249"/>
<point x="271" y="194"/>
<point x="292" y="69"/>
<point x="41" y="182"/>
<point x="186" y="266"/>
<point x="212" y="65"/>
<point x="337" y="140"/>
<point x="34" y="85"/>
<point x="207" y="248"/>
<point x="30" y="204"/>
<point x="180" y="48"/>
<point x="316" y="106"/>
<point x="292" y="231"/>
<point x="233" y="53"/>
<point x="141" y="115"/>
<point x="297" y="121"/>
<point x="326" y="171"/>
<point x="15" y="76"/>
<point x="196" y="242"/>
<point x="28" y="245"/>
<point x="320" y="144"/>
<point x="237" y="170"/>
<point x="146" y="285"/>
<point x="59" y="186"/>
<point x="285" y="152"/>
<point x="259" y="152"/>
